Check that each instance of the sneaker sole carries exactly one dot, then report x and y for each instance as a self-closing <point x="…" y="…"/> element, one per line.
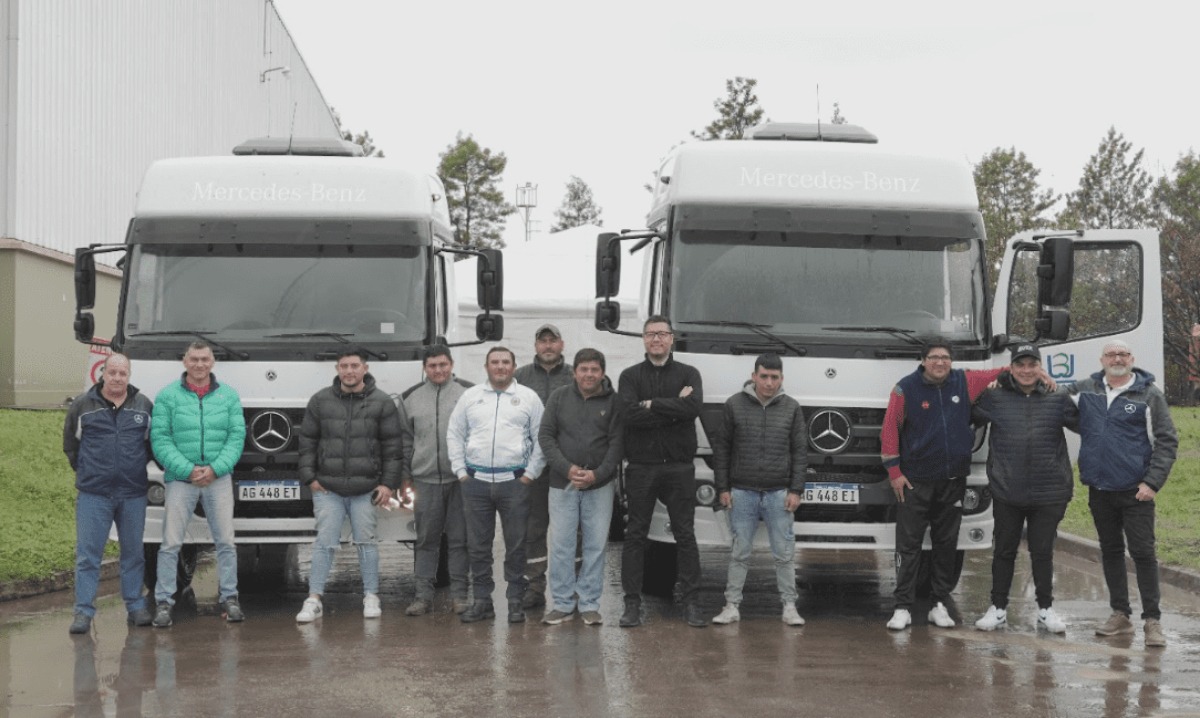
<point x="1109" y="634"/>
<point x="1000" y="625"/>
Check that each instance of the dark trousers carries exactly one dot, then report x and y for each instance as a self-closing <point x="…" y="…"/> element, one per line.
<point x="535" y="533"/>
<point x="675" y="486"/>
<point x="482" y="500"/>
<point x="439" y="509"/>
<point x="936" y="505"/>
<point x="1120" y="517"/>
<point x="1042" y="522"/>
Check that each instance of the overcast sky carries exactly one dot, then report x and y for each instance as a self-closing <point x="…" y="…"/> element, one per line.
<point x="603" y="90"/>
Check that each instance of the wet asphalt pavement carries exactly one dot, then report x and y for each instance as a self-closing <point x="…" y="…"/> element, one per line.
<point x="844" y="662"/>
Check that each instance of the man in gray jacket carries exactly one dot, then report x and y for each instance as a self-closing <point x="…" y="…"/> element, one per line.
<point x="437" y="501"/>
<point x="581" y="439"/>
<point x="760" y="456"/>
<point x="351" y="445"/>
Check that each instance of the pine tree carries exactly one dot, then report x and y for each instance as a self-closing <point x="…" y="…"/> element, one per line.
<point x="472" y="177"/>
<point x="737" y="112"/>
<point x="578" y="207"/>
<point x="1010" y="199"/>
<point x="1114" y="190"/>
<point x="363" y="138"/>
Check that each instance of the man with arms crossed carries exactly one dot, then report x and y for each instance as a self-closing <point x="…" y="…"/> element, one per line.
<point x="437" y="504"/>
<point x="548" y="371"/>
<point x="581" y="439"/>
<point x="760" y="456"/>
<point x="1127" y="448"/>
<point x="106" y="437"/>
<point x="1029" y="474"/>
<point x="351" y="444"/>
<point x="660" y="400"/>
<point x="492" y="441"/>
<point x="198" y="432"/>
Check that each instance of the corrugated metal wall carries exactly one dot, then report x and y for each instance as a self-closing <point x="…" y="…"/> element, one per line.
<point x="104" y="88"/>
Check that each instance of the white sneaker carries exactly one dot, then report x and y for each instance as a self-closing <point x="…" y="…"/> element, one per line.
<point x="729" y="614"/>
<point x="940" y="617"/>
<point x="993" y="619"/>
<point x="1050" y="620"/>
<point x="791" y="616"/>
<point x="310" y="611"/>
<point x="901" y="620"/>
<point x="371" y="607"/>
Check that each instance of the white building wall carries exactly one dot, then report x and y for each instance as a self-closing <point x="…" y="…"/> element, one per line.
<point x="101" y="89"/>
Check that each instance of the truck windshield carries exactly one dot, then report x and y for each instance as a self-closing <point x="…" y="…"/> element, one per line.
<point x="829" y="287"/>
<point x="373" y="293"/>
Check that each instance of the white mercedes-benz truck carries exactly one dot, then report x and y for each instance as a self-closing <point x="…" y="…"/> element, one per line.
<point x="279" y="256"/>
<point x="819" y="244"/>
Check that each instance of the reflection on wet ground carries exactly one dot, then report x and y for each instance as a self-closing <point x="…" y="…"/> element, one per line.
<point x="842" y="663"/>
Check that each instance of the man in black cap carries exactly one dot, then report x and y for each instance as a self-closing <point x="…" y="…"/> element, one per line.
<point x="548" y="371"/>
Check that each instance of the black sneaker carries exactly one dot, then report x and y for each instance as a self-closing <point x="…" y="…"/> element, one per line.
<point x="232" y="610"/>
<point x="516" y="614"/>
<point x="162" y="615"/>
<point x="477" y="612"/>
<point x="694" y="616"/>
<point x="633" y="613"/>
<point x="139" y="617"/>
<point x="82" y="624"/>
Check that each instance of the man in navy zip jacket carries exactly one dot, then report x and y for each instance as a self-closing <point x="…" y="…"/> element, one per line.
<point x="106" y="437"/>
<point x="1127" y="448"/>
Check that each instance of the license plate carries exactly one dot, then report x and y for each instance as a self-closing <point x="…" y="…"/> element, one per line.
<point x="269" y="490"/>
<point x="830" y="493"/>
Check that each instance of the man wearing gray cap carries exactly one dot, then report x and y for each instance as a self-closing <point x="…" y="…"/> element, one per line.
<point x="1029" y="474"/>
<point x="548" y="371"/>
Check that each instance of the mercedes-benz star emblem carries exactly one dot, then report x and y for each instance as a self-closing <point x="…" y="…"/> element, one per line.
<point x="829" y="431"/>
<point x="830" y="373"/>
<point x="270" y="431"/>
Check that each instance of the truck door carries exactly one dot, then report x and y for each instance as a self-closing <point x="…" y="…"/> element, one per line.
<point x="1116" y="294"/>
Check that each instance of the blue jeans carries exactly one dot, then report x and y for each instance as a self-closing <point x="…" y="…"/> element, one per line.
<point x="749" y="507"/>
<point x="331" y="510"/>
<point x="217" y="499"/>
<point x="571" y="512"/>
<point x="482" y="500"/>
<point x="94" y="514"/>
<point x="438" y="509"/>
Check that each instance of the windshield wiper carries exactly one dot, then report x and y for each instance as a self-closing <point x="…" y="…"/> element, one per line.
<point x="297" y="335"/>
<point x="203" y="335"/>
<point x="905" y="335"/>
<point x="759" y="329"/>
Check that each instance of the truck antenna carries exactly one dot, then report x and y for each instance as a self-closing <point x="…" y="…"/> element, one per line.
<point x="292" y="127"/>
<point x="819" y="111"/>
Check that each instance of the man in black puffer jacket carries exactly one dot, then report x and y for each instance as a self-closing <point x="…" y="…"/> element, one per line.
<point x="351" y="443"/>
<point x="1029" y="474"/>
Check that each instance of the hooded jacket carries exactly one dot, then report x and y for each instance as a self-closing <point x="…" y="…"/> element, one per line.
<point x="108" y="448"/>
<point x="584" y="431"/>
<point x="1028" y="463"/>
<point x="351" y="442"/>
<point x="188" y="430"/>
<point x="761" y="447"/>
<point x="1128" y="442"/>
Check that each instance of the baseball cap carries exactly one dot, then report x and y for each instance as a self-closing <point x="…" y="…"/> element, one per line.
<point x="547" y="328"/>
<point x="1025" y="350"/>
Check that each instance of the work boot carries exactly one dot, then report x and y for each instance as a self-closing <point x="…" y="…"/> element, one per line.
<point x="694" y="616"/>
<point x="1154" y="634"/>
<point x="516" y="614"/>
<point x="139" y="617"/>
<point x="533" y="598"/>
<point x="1116" y="625"/>
<point x="419" y="607"/>
<point x="633" y="613"/>
<point x="478" y="611"/>
<point x="82" y="624"/>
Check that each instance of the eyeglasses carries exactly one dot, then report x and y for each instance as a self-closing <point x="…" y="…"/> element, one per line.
<point x="657" y="335"/>
<point x="938" y="357"/>
<point x="1117" y="355"/>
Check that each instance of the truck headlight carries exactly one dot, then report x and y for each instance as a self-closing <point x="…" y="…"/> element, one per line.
<point x="706" y="493"/>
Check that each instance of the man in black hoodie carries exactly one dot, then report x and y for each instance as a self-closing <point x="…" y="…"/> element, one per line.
<point x="661" y="399"/>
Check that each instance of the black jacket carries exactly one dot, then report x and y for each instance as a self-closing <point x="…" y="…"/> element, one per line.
<point x="1028" y="464"/>
<point x="581" y="431"/>
<point x="666" y="432"/>
<point x="761" y="447"/>
<point x="351" y="443"/>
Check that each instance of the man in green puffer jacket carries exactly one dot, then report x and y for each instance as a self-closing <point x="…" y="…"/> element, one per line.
<point x="197" y="432"/>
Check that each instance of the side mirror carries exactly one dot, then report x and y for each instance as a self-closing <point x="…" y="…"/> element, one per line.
<point x="608" y="315"/>
<point x="489" y="327"/>
<point x="1056" y="272"/>
<point x="1053" y="324"/>
<point x="608" y="265"/>
<point x="85" y="326"/>
<point x="85" y="279"/>
<point x="490" y="280"/>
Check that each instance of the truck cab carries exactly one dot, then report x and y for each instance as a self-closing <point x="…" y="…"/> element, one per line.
<point x="279" y="256"/>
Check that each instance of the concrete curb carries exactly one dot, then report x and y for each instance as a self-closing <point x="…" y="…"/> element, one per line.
<point x="1088" y="549"/>
<point x="59" y="581"/>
